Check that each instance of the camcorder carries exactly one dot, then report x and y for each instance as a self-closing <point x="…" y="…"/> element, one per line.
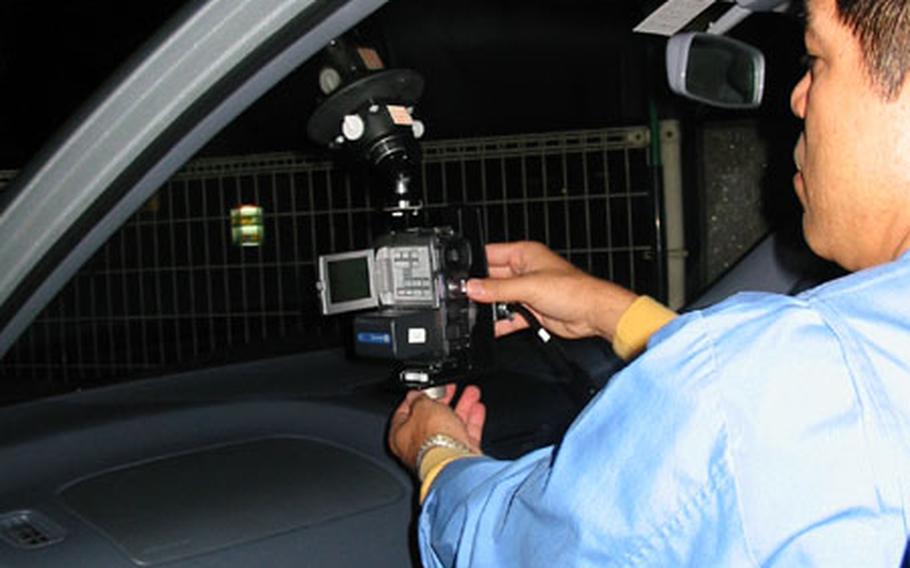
<point x="413" y="278"/>
<point x="413" y="284"/>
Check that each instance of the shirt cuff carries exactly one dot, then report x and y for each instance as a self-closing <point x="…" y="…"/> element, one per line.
<point x="433" y="462"/>
<point x="637" y="324"/>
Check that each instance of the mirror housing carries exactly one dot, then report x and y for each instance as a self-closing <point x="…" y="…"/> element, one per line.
<point x="716" y="70"/>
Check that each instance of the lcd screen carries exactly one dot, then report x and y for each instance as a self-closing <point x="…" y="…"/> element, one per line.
<point x="349" y="279"/>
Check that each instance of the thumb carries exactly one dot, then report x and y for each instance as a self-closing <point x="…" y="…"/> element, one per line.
<point x="403" y="411"/>
<point x="489" y="290"/>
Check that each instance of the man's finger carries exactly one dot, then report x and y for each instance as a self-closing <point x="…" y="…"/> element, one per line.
<point x="403" y="411"/>
<point x="507" y="326"/>
<point x="469" y="398"/>
<point x="474" y="424"/>
<point x="502" y="254"/>
<point x="397" y="422"/>
<point x="522" y="256"/>
<point x="449" y="394"/>
<point x="500" y="272"/>
<point x="410" y="398"/>
<point x="522" y="289"/>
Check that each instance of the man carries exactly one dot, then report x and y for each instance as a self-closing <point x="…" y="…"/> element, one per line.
<point x="767" y="430"/>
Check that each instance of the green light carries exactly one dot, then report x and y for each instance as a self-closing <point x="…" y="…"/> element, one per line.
<point x="247" y="229"/>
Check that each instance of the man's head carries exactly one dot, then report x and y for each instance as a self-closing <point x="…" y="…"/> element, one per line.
<point x="854" y="154"/>
<point x="882" y="28"/>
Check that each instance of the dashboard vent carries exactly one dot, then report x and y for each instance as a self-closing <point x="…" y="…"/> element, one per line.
<point x="29" y="529"/>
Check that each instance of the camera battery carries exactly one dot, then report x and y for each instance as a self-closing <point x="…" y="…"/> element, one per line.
<point x="399" y="334"/>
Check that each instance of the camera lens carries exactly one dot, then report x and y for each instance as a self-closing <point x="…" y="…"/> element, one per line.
<point x="458" y="255"/>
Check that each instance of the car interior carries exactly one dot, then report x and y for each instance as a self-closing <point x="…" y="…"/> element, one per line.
<point x="204" y="320"/>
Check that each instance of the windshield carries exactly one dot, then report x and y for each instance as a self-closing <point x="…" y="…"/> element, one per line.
<point x="573" y="141"/>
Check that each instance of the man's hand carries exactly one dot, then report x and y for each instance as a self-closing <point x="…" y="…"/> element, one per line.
<point x="566" y="300"/>
<point x="418" y="417"/>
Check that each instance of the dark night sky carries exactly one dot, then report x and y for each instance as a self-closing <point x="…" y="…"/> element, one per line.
<point x="54" y="54"/>
<point x="491" y="67"/>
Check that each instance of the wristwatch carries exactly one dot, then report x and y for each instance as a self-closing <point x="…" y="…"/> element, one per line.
<point x="439" y="441"/>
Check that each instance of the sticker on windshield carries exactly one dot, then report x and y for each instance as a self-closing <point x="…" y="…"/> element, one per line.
<point x="672" y="16"/>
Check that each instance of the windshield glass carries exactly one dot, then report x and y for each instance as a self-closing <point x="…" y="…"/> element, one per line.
<point x="574" y="141"/>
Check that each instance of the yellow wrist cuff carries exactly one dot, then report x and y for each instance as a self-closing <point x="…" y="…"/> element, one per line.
<point x="638" y="323"/>
<point x="433" y="462"/>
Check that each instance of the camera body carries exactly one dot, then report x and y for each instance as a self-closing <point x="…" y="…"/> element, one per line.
<point x="413" y="279"/>
<point x="424" y="321"/>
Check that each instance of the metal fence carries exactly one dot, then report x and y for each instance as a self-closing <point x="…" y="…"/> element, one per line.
<point x="6" y="176"/>
<point x="170" y="289"/>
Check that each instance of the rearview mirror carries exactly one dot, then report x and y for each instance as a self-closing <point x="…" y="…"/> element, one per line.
<point x="716" y="70"/>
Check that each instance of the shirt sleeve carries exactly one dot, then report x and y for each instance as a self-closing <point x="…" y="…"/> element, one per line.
<point x="641" y="478"/>
<point x="638" y="323"/>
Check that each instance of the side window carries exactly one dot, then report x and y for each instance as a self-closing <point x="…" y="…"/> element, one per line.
<point x="220" y="263"/>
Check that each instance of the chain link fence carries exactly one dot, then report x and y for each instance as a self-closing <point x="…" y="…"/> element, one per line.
<point x="170" y="289"/>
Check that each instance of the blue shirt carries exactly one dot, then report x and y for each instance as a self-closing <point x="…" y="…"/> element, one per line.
<point x="767" y="430"/>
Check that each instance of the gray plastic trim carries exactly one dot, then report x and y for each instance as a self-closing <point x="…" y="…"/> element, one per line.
<point x="762" y="5"/>
<point x="763" y="269"/>
<point x="199" y="502"/>
<point x="29" y="530"/>
<point x="185" y="65"/>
